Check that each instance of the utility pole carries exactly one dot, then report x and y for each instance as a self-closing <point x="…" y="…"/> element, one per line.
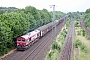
<point x="53" y="23"/>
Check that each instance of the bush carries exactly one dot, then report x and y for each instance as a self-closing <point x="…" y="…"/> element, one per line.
<point x="76" y="25"/>
<point x="84" y="48"/>
<point x="56" y="46"/>
<point x="52" y="55"/>
<point x="78" y="43"/>
<point x="49" y="55"/>
<point x="83" y="32"/>
<point x="64" y="33"/>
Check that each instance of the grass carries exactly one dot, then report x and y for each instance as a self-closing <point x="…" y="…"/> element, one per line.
<point x="84" y="49"/>
<point x="83" y="55"/>
<point x="52" y="55"/>
<point x="84" y="41"/>
<point x="88" y="37"/>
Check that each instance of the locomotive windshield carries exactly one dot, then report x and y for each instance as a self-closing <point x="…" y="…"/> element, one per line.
<point x="23" y="40"/>
<point x="18" y="40"/>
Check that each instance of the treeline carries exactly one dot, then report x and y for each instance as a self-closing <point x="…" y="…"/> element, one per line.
<point x="19" y="22"/>
<point x="75" y="15"/>
<point x="59" y="14"/>
<point x="86" y="18"/>
<point x="7" y="9"/>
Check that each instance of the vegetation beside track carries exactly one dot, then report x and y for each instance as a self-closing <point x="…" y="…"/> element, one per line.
<point x="57" y="45"/>
<point x="81" y="44"/>
<point x="86" y="18"/>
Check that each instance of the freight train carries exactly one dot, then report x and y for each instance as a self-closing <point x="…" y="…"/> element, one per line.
<point x="25" y="41"/>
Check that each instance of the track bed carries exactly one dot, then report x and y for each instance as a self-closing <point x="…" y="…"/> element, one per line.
<point x="67" y="49"/>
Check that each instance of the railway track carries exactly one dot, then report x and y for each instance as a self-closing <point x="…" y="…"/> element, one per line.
<point x="41" y="55"/>
<point x="83" y="25"/>
<point x="33" y="50"/>
<point x="36" y="51"/>
<point x="66" y="53"/>
<point x="20" y="55"/>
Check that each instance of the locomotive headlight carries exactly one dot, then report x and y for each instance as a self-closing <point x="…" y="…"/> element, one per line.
<point x="17" y="44"/>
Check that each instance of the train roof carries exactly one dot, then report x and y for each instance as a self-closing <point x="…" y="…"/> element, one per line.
<point x="47" y="25"/>
<point x="28" y="35"/>
<point x="43" y="27"/>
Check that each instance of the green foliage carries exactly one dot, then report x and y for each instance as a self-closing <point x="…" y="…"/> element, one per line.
<point x="86" y="18"/>
<point x="16" y="22"/>
<point x="64" y="30"/>
<point x="74" y="15"/>
<point x="58" y="14"/>
<point x="1" y="11"/>
<point x="68" y="23"/>
<point x="52" y="55"/>
<point x="7" y="9"/>
<point x="77" y="24"/>
<point x="88" y="37"/>
<point x="79" y="32"/>
<point x="83" y="32"/>
<point x="87" y="11"/>
<point x="84" y="48"/>
<point x="56" y="46"/>
<point x="5" y="36"/>
<point x="64" y="33"/>
<point x="78" y="43"/>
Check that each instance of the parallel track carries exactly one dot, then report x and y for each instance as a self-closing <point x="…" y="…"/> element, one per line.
<point x="68" y="44"/>
<point x="33" y="54"/>
<point x="83" y="25"/>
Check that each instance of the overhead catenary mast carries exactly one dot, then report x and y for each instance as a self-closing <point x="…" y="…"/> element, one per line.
<point x="53" y="23"/>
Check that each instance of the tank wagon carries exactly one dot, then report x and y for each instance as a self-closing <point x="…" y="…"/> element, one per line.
<point x="25" y="41"/>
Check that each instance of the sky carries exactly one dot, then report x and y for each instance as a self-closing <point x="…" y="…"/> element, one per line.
<point x="60" y="5"/>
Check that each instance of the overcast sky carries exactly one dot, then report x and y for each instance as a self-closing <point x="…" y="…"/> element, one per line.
<point x="61" y="5"/>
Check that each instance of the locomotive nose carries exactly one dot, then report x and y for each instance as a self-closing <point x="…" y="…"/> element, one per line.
<point x="21" y="46"/>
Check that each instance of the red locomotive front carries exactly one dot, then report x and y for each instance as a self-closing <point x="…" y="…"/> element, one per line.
<point x="23" y="42"/>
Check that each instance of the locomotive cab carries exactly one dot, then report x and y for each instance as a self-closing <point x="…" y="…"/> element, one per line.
<point x="21" y="44"/>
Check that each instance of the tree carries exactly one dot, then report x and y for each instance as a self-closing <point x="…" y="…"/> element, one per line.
<point x="87" y="11"/>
